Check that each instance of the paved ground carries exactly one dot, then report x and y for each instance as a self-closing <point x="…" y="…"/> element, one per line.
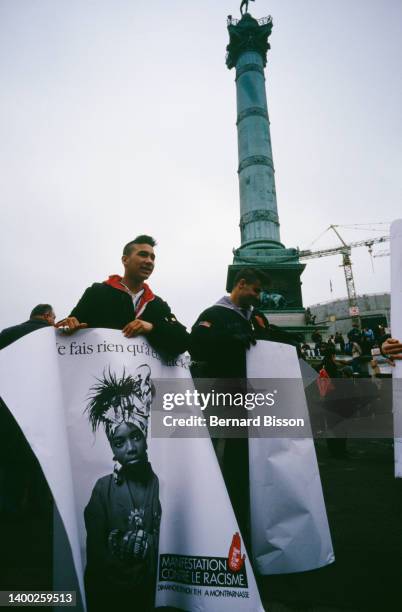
<point x="364" y="505"/>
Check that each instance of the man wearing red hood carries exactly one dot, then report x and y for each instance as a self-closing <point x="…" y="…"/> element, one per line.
<point x="127" y="303"/>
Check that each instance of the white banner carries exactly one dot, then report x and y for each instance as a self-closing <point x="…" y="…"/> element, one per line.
<point x="202" y="565"/>
<point x="396" y="326"/>
<point x="289" y="525"/>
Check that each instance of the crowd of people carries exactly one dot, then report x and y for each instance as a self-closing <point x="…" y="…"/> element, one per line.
<point x="359" y="346"/>
<point x="349" y="380"/>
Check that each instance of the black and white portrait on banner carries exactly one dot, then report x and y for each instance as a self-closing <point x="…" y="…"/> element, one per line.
<point x="123" y="515"/>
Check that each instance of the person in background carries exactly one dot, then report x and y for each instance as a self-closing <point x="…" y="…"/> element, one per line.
<point x="310" y="318"/>
<point x="317" y="339"/>
<point x="306" y="351"/>
<point x="354" y="334"/>
<point x="356" y="356"/>
<point x="369" y="334"/>
<point x="41" y="316"/>
<point x="340" y="340"/>
<point x="336" y="404"/>
<point x="380" y="334"/>
<point x="367" y="341"/>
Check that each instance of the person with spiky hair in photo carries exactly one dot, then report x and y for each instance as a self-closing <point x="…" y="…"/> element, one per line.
<point x="123" y="515"/>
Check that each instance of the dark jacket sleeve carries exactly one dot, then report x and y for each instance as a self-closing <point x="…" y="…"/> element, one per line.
<point x="11" y="334"/>
<point x="168" y="337"/>
<point x="85" y="307"/>
<point x="264" y="330"/>
<point x="7" y="337"/>
<point x="277" y="334"/>
<point x="210" y="338"/>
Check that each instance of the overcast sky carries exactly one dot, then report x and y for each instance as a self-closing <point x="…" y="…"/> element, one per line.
<point x="118" y="118"/>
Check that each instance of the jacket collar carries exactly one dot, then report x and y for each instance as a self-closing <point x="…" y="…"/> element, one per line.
<point x="115" y="281"/>
<point x="226" y="302"/>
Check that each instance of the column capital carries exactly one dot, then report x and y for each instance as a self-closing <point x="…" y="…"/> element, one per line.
<point x="248" y="34"/>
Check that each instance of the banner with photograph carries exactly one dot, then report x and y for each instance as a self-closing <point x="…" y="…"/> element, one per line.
<point x="396" y="323"/>
<point x="143" y="515"/>
<point x="289" y="525"/>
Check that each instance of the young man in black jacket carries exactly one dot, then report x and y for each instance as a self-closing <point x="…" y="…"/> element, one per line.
<point x="219" y="342"/>
<point x="127" y="303"/>
<point x="222" y="333"/>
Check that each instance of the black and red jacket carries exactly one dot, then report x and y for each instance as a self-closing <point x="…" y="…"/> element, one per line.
<point x="109" y="305"/>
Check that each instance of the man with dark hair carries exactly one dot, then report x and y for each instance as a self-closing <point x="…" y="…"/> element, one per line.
<point x="222" y="333"/>
<point x="127" y="303"/>
<point x="142" y="239"/>
<point x="219" y="342"/>
<point x="123" y="515"/>
<point x="41" y="316"/>
<point x="251" y="275"/>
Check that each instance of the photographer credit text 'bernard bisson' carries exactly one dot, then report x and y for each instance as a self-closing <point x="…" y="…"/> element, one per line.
<point x="267" y="420"/>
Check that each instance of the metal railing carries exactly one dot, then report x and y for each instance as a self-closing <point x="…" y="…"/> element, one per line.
<point x="261" y="22"/>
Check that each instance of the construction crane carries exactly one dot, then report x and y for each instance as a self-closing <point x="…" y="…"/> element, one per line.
<point x="345" y="250"/>
<point x="382" y="254"/>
